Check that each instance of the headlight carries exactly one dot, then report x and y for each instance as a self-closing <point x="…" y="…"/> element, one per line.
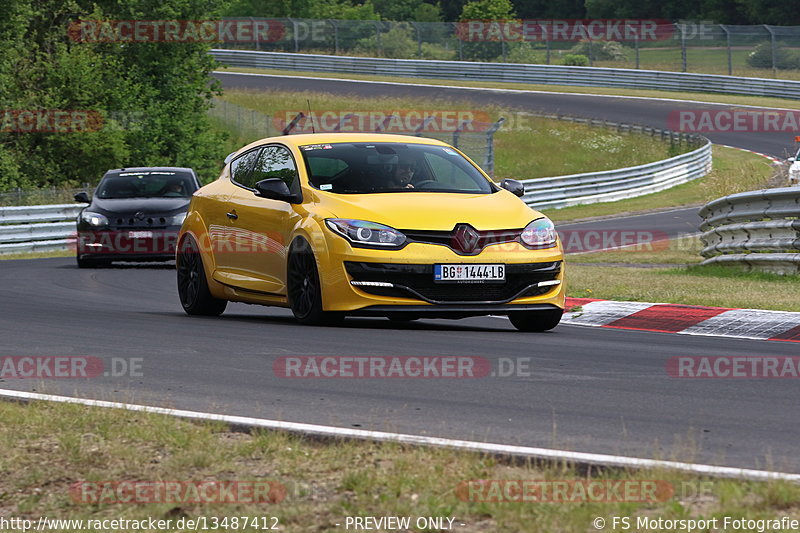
<point x="177" y="220"/>
<point x="94" y="219"/>
<point x="539" y="234"/>
<point x="366" y="234"/>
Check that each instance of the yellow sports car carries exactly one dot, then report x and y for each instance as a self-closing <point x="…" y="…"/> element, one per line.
<point x="340" y="224"/>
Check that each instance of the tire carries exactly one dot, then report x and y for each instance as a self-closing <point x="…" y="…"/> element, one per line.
<point x="193" y="291"/>
<point x="536" y="320"/>
<point x="304" y="287"/>
<point x="85" y="262"/>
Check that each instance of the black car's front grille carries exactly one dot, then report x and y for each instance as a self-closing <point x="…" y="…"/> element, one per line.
<point x="130" y="221"/>
<point x="416" y="281"/>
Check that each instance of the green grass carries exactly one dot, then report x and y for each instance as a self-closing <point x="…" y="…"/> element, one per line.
<point x="629" y="275"/>
<point x="529" y="147"/>
<point x="758" y="101"/>
<point x="49" y="447"/>
<point x="38" y="255"/>
<point x="733" y="171"/>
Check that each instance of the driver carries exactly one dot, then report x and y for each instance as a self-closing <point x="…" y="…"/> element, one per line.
<point x="403" y="173"/>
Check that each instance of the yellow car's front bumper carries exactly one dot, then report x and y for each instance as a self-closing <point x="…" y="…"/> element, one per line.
<point x="410" y="271"/>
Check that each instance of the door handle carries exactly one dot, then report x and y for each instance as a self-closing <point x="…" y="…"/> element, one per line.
<point x="232" y="215"/>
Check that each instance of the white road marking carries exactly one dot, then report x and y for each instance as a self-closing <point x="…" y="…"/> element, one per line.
<point x="382" y="436"/>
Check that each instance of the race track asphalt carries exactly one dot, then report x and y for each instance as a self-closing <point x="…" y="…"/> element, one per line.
<point x="587" y="389"/>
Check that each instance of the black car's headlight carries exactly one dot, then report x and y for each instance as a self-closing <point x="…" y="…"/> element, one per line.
<point x="366" y="234"/>
<point x="541" y="233"/>
<point x="96" y="220"/>
<point x="176" y="220"/>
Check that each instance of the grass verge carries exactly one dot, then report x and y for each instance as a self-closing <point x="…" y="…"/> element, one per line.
<point x="672" y="274"/>
<point x="526" y="148"/>
<point x="38" y="255"/>
<point x="758" y="101"/>
<point x="47" y="448"/>
<point x="733" y="171"/>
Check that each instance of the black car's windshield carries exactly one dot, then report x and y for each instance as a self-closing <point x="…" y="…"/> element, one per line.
<point x="359" y="168"/>
<point x="147" y="184"/>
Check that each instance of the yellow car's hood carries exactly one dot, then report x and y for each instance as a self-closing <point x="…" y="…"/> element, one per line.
<point x="433" y="211"/>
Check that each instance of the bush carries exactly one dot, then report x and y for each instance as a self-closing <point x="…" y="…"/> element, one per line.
<point x="575" y="60"/>
<point x="600" y="50"/>
<point x="525" y="53"/>
<point x="761" y="57"/>
<point x="398" y="42"/>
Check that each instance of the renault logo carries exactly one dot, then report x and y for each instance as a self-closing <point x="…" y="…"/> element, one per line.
<point x="465" y="238"/>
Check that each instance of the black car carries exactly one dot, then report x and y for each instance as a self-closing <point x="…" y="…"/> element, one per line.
<point x="135" y="215"/>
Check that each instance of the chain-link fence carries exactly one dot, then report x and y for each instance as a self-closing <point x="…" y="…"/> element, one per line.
<point x="703" y="47"/>
<point x="46" y="196"/>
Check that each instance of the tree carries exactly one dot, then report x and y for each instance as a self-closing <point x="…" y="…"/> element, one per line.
<point x="488" y="10"/>
<point x="408" y="10"/>
<point x="164" y="85"/>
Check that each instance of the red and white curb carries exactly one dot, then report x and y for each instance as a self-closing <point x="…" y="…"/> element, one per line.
<point x="684" y="319"/>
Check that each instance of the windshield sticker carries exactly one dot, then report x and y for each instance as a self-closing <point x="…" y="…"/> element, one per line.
<point x="325" y="187"/>
<point x="143" y="174"/>
<point x="449" y="151"/>
<point x="316" y="147"/>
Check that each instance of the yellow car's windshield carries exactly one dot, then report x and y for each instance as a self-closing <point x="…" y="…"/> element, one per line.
<point x="361" y="168"/>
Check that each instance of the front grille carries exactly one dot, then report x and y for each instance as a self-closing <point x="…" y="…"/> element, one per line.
<point x="150" y="221"/>
<point x="448" y="238"/>
<point x="416" y="281"/>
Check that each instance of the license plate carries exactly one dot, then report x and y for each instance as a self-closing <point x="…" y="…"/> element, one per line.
<point x="140" y="234"/>
<point x="470" y="273"/>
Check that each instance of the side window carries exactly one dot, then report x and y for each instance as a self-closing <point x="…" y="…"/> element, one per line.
<point x="242" y="169"/>
<point x="276" y="162"/>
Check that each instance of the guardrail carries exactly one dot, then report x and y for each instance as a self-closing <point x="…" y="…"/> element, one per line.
<point x="759" y="230"/>
<point x="37" y="228"/>
<point x="610" y="185"/>
<point x="52" y="227"/>
<point x="512" y="73"/>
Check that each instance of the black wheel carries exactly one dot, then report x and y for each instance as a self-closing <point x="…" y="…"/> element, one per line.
<point x="536" y="320"/>
<point x="193" y="291"/>
<point x="304" y="288"/>
<point x="88" y="262"/>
